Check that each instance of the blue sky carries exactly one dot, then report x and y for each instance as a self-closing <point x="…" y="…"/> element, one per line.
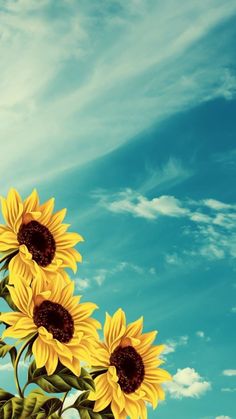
<point x="125" y="112"/>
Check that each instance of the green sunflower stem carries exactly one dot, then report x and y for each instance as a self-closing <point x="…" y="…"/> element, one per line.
<point x="21" y="393"/>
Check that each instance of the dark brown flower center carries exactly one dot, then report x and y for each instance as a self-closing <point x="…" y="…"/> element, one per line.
<point x="56" y="319"/>
<point x="129" y="368"/>
<point x="39" y="242"/>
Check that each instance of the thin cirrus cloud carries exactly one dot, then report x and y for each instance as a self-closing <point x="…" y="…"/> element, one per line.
<point x="103" y="77"/>
<point x="187" y="383"/>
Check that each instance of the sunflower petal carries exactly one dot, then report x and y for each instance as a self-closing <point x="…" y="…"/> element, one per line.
<point x="41" y="352"/>
<point x="31" y="202"/>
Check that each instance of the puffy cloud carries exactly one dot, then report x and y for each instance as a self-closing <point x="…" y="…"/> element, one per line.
<point x="187" y="383"/>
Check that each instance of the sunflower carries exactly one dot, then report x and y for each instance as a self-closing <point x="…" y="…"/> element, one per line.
<point x="34" y="238"/>
<point x="63" y="327"/>
<point x="131" y="364"/>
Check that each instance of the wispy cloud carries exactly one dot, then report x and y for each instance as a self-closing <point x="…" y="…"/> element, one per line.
<point x="171" y="345"/>
<point x="213" y="231"/>
<point x="62" y="83"/>
<point x="201" y="334"/>
<point x="228" y="390"/>
<point x="82" y="283"/>
<point x="223" y="417"/>
<point x="8" y="366"/>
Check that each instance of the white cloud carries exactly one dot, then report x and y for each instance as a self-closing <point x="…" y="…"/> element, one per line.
<point x="223" y="417"/>
<point x="8" y="366"/>
<point x="171" y="344"/>
<point x="82" y="283"/>
<point x="202" y="335"/>
<point x="228" y="390"/>
<point x="173" y="259"/>
<point x="129" y="201"/>
<point x="100" y="276"/>
<point x="217" y="205"/>
<point x="233" y="309"/>
<point x="214" y="231"/>
<point x="229" y="373"/>
<point x="187" y="383"/>
<point x="168" y="175"/>
<point x="63" y="83"/>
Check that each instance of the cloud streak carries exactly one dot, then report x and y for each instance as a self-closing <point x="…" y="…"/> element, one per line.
<point x="63" y="84"/>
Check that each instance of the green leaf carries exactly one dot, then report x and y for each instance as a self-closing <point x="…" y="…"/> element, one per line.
<point x="4" y="397"/>
<point x="5" y="349"/>
<point x="85" y="408"/>
<point x="4" y="293"/>
<point x="51" y="406"/>
<point x="10" y="406"/>
<point x="38" y="405"/>
<point x="32" y="403"/>
<point x="61" y="381"/>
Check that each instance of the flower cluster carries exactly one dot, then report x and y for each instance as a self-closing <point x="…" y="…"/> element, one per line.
<point x="122" y="371"/>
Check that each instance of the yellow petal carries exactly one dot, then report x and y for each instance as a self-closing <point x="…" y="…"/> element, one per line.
<point x="11" y="318"/>
<point x="66" y="294"/>
<point x="68" y="240"/>
<point x="12" y="208"/>
<point x="132" y="408"/>
<point x="151" y="394"/>
<point x="101" y="387"/>
<point x="21" y="329"/>
<point x="146" y="339"/>
<point x="22" y="296"/>
<point x="84" y="311"/>
<point x="41" y="352"/>
<point x="56" y="219"/>
<point x="31" y="202"/>
<point x="73" y="365"/>
<point x="19" y="269"/>
<point x="135" y="329"/>
<point x="114" y="328"/>
<point x="143" y="409"/>
<point x="8" y="240"/>
<point x="68" y="258"/>
<point x="52" y="361"/>
<point x="46" y="211"/>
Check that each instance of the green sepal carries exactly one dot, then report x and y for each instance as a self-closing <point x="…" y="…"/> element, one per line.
<point x="61" y="381"/>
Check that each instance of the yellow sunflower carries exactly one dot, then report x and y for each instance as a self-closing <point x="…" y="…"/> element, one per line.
<point x="65" y="331"/>
<point x="132" y="375"/>
<point x="35" y="238"/>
